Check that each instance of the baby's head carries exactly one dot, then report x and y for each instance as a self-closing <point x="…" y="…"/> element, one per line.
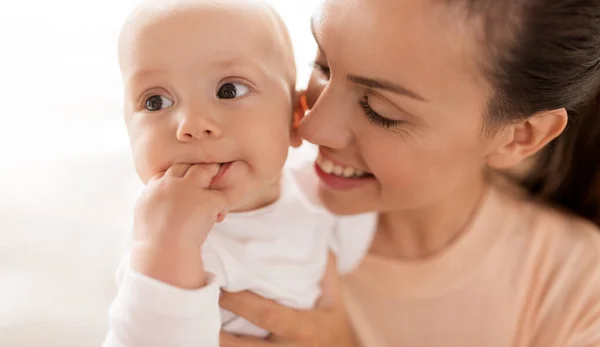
<point x="210" y="81"/>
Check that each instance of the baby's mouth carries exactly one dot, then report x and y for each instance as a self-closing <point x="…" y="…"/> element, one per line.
<point x="223" y="167"/>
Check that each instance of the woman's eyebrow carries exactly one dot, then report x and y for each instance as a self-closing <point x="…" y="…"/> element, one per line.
<point x="370" y="82"/>
<point x="386" y="86"/>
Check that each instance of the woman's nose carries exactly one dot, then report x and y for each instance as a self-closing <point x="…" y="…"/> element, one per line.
<point x="327" y="122"/>
<point x="195" y="125"/>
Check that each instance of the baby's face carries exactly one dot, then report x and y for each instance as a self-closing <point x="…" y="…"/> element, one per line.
<point x="207" y="84"/>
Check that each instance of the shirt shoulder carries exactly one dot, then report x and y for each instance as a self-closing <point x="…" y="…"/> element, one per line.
<point x="562" y="258"/>
<point x="557" y="236"/>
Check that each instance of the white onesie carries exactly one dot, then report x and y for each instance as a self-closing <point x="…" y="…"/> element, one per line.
<point x="279" y="252"/>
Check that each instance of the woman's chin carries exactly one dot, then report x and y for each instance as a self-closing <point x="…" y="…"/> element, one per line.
<point x="342" y="204"/>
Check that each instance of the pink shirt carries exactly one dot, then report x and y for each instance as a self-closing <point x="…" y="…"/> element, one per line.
<point x="521" y="275"/>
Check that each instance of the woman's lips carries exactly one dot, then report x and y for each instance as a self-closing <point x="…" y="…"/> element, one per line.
<point x="342" y="183"/>
<point x="332" y="167"/>
<point x="340" y="177"/>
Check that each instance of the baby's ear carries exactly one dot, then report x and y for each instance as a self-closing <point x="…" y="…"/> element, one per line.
<point x="298" y="111"/>
<point x="295" y="139"/>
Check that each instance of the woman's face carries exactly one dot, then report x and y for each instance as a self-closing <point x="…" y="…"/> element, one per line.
<point x="400" y="96"/>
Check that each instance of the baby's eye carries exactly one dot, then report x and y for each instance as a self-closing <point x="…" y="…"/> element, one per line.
<point x="232" y="91"/>
<point x="158" y="102"/>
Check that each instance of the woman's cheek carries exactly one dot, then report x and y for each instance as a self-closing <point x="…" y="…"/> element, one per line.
<point x="395" y="161"/>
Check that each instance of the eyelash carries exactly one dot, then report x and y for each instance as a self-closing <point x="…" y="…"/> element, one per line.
<point x="147" y="95"/>
<point x="375" y="118"/>
<point x="324" y="69"/>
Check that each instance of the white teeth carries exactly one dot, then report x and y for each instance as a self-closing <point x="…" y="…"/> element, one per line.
<point x="319" y="159"/>
<point x="327" y="166"/>
<point x="333" y="169"/>
<point x="338" y="170"/>
<point x="349" y="172"/>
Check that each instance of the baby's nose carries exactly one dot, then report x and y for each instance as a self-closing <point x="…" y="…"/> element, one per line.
<point x="194" y="126"/>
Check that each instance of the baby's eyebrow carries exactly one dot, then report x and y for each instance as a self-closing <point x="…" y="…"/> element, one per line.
<point x="243" y="65"/>
<point x="141" y="74"/>
<point x="139" y="77"/>
<point x="238" y="62"/>
<point x="230" y="62"/>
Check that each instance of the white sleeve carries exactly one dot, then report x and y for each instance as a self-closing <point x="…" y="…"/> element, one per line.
<point x="351" y="239"/>
<point x="150" y="313"/>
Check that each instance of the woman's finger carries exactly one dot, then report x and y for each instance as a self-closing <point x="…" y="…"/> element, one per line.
<point x="275" y="318"/>
<point x="228" y="340"/>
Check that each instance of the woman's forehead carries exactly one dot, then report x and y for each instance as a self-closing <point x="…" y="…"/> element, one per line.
<point x="392" y="27"/>
<point x="413" y="43"/>
<point x="402" y="38"/>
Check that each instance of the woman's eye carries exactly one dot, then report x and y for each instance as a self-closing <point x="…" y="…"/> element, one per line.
<point x="376" y="118"/>
<point x="323" y="69"/>
<point x="232" y="91"/>
<point x="158" y="102"/>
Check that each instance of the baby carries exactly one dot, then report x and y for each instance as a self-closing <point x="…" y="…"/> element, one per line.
<point x="209" y="104"/>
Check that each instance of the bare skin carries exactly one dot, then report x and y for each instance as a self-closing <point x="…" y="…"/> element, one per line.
<point x="209" y="89"/>
<point x="423" y="141"/>
<point x="430" y="164"/>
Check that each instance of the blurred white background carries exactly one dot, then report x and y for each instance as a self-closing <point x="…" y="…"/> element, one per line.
<point x="67" y="186"/>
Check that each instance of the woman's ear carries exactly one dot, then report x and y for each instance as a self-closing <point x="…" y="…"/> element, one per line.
<point x="522" y="140"/>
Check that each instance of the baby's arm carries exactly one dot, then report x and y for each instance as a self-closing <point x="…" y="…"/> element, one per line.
<point x="151" y="313"/>
<point x="165" y="297"/>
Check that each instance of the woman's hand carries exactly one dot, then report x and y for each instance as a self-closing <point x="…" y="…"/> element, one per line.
<point x="325" y="326"/>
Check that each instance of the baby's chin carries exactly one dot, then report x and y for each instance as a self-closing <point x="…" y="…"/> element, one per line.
<point x="245" y="188"/>
<point x="249" y="197"/>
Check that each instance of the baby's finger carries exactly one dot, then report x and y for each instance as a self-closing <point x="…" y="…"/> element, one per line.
<point x="203" y="173"/>
<point x="221" y="216"/>
<point x="156" y="177"/>
<point x="219" y="204"/>
<point x="178" y="170"/>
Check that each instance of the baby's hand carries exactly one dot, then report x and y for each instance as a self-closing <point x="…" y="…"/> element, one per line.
<point x="172" y="220"/>
<point x="177" y="209"/>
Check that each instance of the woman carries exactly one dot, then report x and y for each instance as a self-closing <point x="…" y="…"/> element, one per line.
<point x="435" y="98"/>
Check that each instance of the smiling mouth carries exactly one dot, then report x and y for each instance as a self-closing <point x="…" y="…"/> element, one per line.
<point x="331" y="168"/>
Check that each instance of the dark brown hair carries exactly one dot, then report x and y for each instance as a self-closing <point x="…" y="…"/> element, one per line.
<point x="545" y="55"/>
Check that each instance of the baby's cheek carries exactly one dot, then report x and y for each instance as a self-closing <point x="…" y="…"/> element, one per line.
<point x="274" y="154"/>
<point x="148" y="157"/>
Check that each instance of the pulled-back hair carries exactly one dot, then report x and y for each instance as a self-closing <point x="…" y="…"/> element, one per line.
<point x="545" y="55"/>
